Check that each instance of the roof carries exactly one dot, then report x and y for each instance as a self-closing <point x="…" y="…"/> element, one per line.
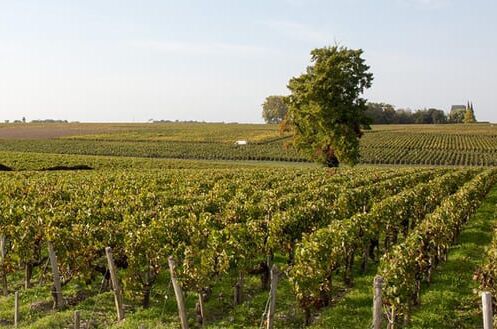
<point x="458" y="107"/>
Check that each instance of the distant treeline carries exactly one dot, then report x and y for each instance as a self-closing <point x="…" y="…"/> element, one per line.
<point x="49" y="121"/>
<point x="23" y="120"/>
<point x="381" y="113"/>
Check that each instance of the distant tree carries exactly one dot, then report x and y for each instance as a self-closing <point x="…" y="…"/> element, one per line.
<point x="422" y="117"/>
<point x="381" y="113"/>
<point x="469" y="115"/>
<point x="274" y="109"/>
<point x="404" y="116"/>
<point x="326" y="111"/>
<point x="23" y="119"/>
<point x="457" y="115"/>
<point x="437" y="116"/>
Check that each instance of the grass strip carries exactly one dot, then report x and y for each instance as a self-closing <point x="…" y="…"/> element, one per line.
<point x="452" y="300"/>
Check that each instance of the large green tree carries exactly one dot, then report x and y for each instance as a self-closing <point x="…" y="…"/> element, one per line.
<point x="326" y="111"/>
<point x="457" y="115"/>
<point x="274" y="109"/>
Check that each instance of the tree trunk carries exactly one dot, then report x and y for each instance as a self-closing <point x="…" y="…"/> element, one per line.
<point x="365" y="258"/>
<point x="325" y="292"/>
<point x="374" y="244"/>
<point x="266" y="272"/>
<point x="238" y="290"/>
<point x="28" y="274"/>
<point x="105" y="286"/>
<point x="391" y="322"/>
<point x="3" y="253"/>
<point x="200" y="310"/>
<point x="146" y="296"/>
<point x="291" y="253"/>
<point x="147" y="286"/>
<point x="307" y="316"/>
<point x="347" y="274"/>
<point x="332" y="161"/>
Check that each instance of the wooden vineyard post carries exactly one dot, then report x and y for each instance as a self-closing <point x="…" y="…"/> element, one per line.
<point x="486" y="300"/>
<point x="201" y="309"/>
<point x="377" y="302"/>
<point x="2" y="265"/>
<point x="16" y="309"/>
<point x="118" y="294"/>
<point x="179" y="294"/>
<point x="275" y="273"/>
<point x="56" y="277"/>
<point x="77" y="320"/>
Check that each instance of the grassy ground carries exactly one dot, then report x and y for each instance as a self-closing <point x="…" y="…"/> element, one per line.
<point x="452" y="300"/>
<point x="354" y="310"/>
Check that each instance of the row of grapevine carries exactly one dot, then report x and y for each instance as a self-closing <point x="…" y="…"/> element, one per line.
<point x="432" y="141"/>
<point x="213" y="222"/>
<point x="427" y="157"/>
<point x="412" y="261"/>
<point x="486" y="273"/>
<point x="176" y="150"/>
<point x="217" y="224"/>
<point x="334" y="247"/>
<point x="375" y="148"/>
<point x="286" y="227"/>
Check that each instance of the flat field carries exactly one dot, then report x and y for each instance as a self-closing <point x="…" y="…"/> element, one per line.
<point x="152" y="191"/>
<point x="460" y="145"/>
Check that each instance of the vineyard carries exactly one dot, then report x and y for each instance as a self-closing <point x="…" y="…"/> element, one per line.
<point x="464" y="145"/>
<point x="326" y="230"/>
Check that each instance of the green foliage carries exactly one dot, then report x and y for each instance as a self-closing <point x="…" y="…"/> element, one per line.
<point x="381" y="113"/>
<point x="469" y="115"/>
<point x="274" y="109"/>
<point x="333" y="247"/>
<point x="450" y="144"/>
<point x="413" y="261"/>
<point x="326" y="111"/>
<point x="214" y="222"/>
<point x="457" y="115"/>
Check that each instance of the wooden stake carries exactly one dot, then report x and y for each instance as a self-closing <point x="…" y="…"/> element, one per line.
<point x="486" y="300"/>
<point x="377" y="302"/>
<point x="59" y="301"/>
<point x="16" y="309"/>
<point x="238" y="291"/>
<point x="201" y="306"/>
<point x="275" y="273"/>
<point x="179" y="294"/>
<point x="118" y="294"/>
<point x="77" y="320"/>
<point x="2" y="265"/>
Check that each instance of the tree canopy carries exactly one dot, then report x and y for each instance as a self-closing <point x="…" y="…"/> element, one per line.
<point x="457" y="115"/>
<point x="274" y="109"/>
<point x="325" y="108"/>
<point x="469" y="115"/>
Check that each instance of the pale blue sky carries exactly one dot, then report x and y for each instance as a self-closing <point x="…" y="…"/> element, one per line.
<point x="216" y="60"/>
